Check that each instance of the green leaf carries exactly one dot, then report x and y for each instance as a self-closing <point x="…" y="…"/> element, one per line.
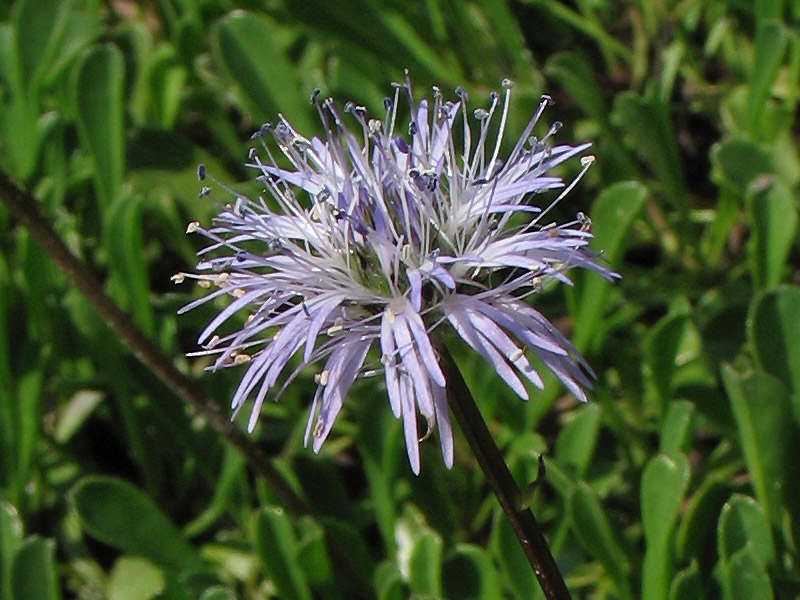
<point x="120" y="515"/>
<point x="698" y="526"/>
<point x="29" y="396"/>
<point x="774" y="332"/>
<point x="512" y="560"/>
<point x="277" y="550"/>
<point x="250" y="49"/>
<point x="664" y="484"/>
<point x="124" y="240"/>
<point x="613" y="215"/>
<point x="425" y="564"/>
<point x="647" y="122"/>
<point x="11" y="532"/>
<point x="591" y="526"/>
<point x="770" y="46"/>
<point x="39" y="26"/>
<point x="388" y="583"/>
<point x="33" y="572"/>
<point x="773" y="222"/>
<point x="468" y="573"/>
<point x="218" y="593"/>
<point x="75" y="413"/>
<point x="742" y="523"/>
<point x="98" y="99"/>
<point x="661" y="353"/>
<point x="676" y="429"/>
<point x="745" y="577"/>
<point x="760" y="406"/>
<point x="312" y="555"/>
<point x="687" y="584"/>
<point x="577" y="440"/>
<point x="134" y="578"/>
<point x="739" y="161"/>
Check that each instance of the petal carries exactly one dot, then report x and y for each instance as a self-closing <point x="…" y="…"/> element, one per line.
<point x="343" y="367"/>
<point x="443" y="421"/>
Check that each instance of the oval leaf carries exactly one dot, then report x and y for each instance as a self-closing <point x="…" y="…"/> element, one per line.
<point x="120" y="515"/>
<point x="664" y="483"/>
<point x="33" y="573"/>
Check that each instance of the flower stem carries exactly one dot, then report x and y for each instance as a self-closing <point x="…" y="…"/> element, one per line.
<point x="500" y="480"/>
<point x="25" y="208"/>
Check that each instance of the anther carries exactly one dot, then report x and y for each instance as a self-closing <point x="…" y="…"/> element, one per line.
<point x="241" y="359"/>
<point x="201" y="171"/>
<point x="192" y="227"/>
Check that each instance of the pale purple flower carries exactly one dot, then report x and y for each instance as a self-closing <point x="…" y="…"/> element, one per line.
<point x="368" y="242"/>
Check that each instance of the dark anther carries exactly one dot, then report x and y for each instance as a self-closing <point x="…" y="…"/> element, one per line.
<point x="201" y="172"/>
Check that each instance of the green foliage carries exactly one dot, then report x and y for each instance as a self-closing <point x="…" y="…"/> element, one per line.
<point x="677" y="481"/>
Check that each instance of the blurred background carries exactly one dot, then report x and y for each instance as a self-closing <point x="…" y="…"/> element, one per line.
<point x="678" y="480"/>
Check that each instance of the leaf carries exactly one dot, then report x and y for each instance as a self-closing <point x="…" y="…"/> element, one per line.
<point x="468" y="572"/>
<point x="425" y="564"/>
<point x="676" y="429"/>
<point x="647" y="122"/>
<point x="698" y="526"/>
<point x="773" y="222"/>
<point x="512" y="560"/>
<point x="39" y="27"/>
<point x="276" y="546"/>
<point x="739" y="161"/>
<point x="218" y="593"/>
<point x="664" y="484"/>
<point x="312" y="555"/>
<point x="745" y="577"/>
<point x="613" y="215"/>
<point x="592" y="528"/>
<point x="29" y="396"/>
<point x="577" y="440"/>
<point x="742" y="523"/>
<point x="33" y="572"/>
<point x="10" y="537"/>
<point x="687" y="584"/>
<point x="774" y="332"/>
<point x="75" y="413"/>
<point x="388" y="582"/>
<point x="770" y="47"/>
<point x="661" y="354"/>
<point x="249" y="48"/>
<point x="125" y="244"/>
<point x="760" y="406"/>
<point x="98" y="99"/>
<point x="120" y="515"/>
<point x="134" y="578"/>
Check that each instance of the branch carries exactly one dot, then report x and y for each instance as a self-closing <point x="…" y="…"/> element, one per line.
<point x="500" y="480"/>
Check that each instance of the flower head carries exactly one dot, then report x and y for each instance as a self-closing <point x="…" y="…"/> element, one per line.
<point x="369" y="240"/>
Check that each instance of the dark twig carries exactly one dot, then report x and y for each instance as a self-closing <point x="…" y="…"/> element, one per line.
<point x="25" y="209"/>
<point x="500" y="480"/>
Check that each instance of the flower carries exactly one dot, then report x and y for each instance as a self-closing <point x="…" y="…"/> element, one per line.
<point x="391" y="239"/>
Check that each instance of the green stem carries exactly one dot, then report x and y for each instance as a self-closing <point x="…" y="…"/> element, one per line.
<point x="500" y="480"/>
